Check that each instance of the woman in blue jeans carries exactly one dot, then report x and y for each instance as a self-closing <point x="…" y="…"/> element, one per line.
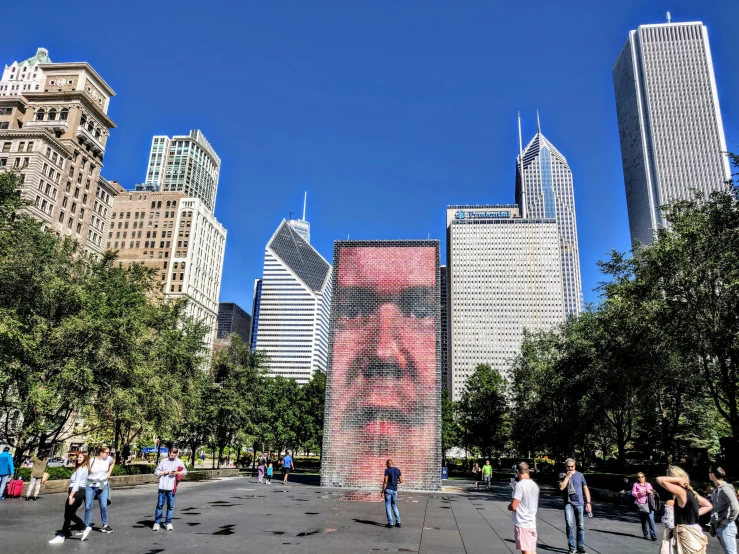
<point x="641" y="491"/>
<point x="101" y="467"/>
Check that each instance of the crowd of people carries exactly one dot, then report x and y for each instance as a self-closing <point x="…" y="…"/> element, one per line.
<point x="683" y="532"/>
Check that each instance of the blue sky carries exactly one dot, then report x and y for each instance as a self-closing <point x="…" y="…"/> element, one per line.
<point x="384" y="111"/>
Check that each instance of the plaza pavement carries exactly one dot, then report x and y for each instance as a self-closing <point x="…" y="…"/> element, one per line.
<point x="239" y="515"/>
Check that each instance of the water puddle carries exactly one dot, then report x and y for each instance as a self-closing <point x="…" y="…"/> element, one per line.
<point x="225" y="530"/>
<point x="315" y="532"/>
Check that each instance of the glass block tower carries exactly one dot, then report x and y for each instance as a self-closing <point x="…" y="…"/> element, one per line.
<point x="291" y="306"/>
<point x="545" y="191"/>
<point x="184" y="163"/>
<point x="669" y="121"/>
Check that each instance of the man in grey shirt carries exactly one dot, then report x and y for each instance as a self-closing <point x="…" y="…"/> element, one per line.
<point x="725" y="509"/>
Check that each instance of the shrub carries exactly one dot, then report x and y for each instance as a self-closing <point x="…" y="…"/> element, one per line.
<point x="55" y="473"/>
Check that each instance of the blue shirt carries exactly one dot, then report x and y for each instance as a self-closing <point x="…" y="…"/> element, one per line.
<point x="287" y="461"/>
<point x="392" y="474"/>
<point x="6" y="464"/>
<point x="577" y="482"/>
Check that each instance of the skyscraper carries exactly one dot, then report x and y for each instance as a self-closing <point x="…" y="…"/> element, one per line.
<point x="233" y="319"/>
<point x="504" y="275"/>
<point x="545" y="191"/>
<point x="292" y="303"/>
<point x="186" y="164"/>
<point x="181" y="239"/>
<point x="672" y="137"/>
<point x="54" y="127"/>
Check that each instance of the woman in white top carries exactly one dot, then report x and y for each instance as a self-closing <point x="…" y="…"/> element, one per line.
<point x="77" y="486"/>
<point x="101" y="467"/>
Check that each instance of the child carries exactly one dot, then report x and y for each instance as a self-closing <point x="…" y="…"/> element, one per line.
<point x="269" y="474"/>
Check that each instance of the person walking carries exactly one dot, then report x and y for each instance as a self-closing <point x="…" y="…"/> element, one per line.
<point x="725" y="510"/>
<point x="101" y="467"/>
<point x="261" y="466"/>
<point x="487" y="474"/>
<point x="390" y="482"/>
<point x="269" y="473"/>
<point x="476" y="471"/>
<point x="287" y="466"/>
<point x="7" y="470"/>
<point x="688" y="507"/>
<point x="576" y="496"/>
<point x="641" y="491"/>
<point x="170" y="471"/>
<point x="74" y="499"/>
<point x="524" y="505"/>
<point x="38" y="469"/>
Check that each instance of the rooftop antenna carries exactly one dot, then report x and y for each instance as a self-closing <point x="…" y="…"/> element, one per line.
<point x="291" y="215"/>
<point x="305" y="201"/>
<point x="669" y="18"/>
<point x="538" y="124"/>
<point x="520" y="167"/>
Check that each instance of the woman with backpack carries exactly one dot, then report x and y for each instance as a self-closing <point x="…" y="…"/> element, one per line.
<point x="641" y="492"/>
<point x="75" y="499"/>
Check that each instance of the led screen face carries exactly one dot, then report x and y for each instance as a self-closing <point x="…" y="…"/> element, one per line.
<point x="383" y="386"/>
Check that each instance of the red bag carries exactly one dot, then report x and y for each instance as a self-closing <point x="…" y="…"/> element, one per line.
<point x="15" y="487"/>
<point x="177" y="479"/>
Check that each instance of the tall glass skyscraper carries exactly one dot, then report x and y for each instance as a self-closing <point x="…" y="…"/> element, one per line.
<point x="545" y="191"/>
<point x="669" y="121"/>
<point x="292" y="306"/>
<point x="185" y="163"/>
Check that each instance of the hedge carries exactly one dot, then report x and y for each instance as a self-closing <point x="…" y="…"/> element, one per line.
<point x="61" y="473"/>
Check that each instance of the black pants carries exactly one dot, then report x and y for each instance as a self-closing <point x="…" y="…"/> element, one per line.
<point x="70" y="512"/>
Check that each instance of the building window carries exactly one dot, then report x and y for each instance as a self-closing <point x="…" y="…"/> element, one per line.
<point x="52" y="114"/>
<point x="63" y="114"/>
<point x="40" y="115"/>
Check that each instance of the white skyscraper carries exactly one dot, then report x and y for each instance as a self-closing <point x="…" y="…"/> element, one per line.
<point x="186" y="164"/>
<point x="292" y="306"/>
<point x="546" y="192"/>
<point x="672" y="137"/>
<point x="504" y="275"/>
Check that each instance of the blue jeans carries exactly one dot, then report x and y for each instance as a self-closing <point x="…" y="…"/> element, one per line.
<point x="391" y="506"/>
<point x="574" y="518"/>
<point x="102" y="496"/>
<point x="647" y="524"/>
<point x="727" y="537"/>
<point x="169" y="497"/>
<point x="3" y="482"/>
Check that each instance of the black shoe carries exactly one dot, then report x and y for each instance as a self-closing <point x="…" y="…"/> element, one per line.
<point x="654" y="538"/>
<point x="106" y="529"/>
<point x="35" y="498"/>
<point x="28" y="498"/>
<point x="397" y="524"/>
<point x="389" y="526"/>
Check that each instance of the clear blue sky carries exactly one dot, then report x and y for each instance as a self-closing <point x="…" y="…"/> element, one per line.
<point x="384" y="111"/>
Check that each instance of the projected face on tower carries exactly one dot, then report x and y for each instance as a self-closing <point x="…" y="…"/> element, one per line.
<point x="383" y="383"/>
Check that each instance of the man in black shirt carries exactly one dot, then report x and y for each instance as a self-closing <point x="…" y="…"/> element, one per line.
<point x="390" y="492"/>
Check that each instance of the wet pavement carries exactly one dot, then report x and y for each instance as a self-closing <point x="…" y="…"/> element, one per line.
<point x="239" y="515"/>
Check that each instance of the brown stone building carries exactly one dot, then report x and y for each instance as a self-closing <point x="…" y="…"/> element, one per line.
<point x="53" y="131"/>
<point x="180" y="238"/>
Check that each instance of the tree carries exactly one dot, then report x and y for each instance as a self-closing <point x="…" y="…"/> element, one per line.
<point x="450" y="430"/>
<point x="312" y="407"/>
<point x="483" y="412"/>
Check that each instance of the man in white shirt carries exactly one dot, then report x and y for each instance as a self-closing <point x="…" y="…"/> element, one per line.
<point x="524" y="505"/>
<point x="169" y="472"/>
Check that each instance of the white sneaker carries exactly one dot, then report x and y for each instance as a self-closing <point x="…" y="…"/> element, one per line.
<point x="169" y="527"/>
<point x="156" y="527"/>
<point x="85" y="533"/>
<point x="59" y="539"/>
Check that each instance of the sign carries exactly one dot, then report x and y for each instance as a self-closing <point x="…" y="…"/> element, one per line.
<point x="445" y="472"/>
<point x="153" y="449"/>
<point x="484" y="214"/>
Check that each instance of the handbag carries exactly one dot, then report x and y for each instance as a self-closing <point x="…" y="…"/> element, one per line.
<point x="45" y="478"/>
<point x="665" y="548"/>
<point x="643" y="508"/>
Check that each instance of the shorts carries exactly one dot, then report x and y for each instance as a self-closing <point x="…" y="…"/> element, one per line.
<point x="525" y="538"/>
<point x="487" y="479"/>
<point x="286" y="471"/>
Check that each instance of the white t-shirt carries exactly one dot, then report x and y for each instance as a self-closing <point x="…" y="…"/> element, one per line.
<point x="527" y="493"/>
<point x="99" y="468"/>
